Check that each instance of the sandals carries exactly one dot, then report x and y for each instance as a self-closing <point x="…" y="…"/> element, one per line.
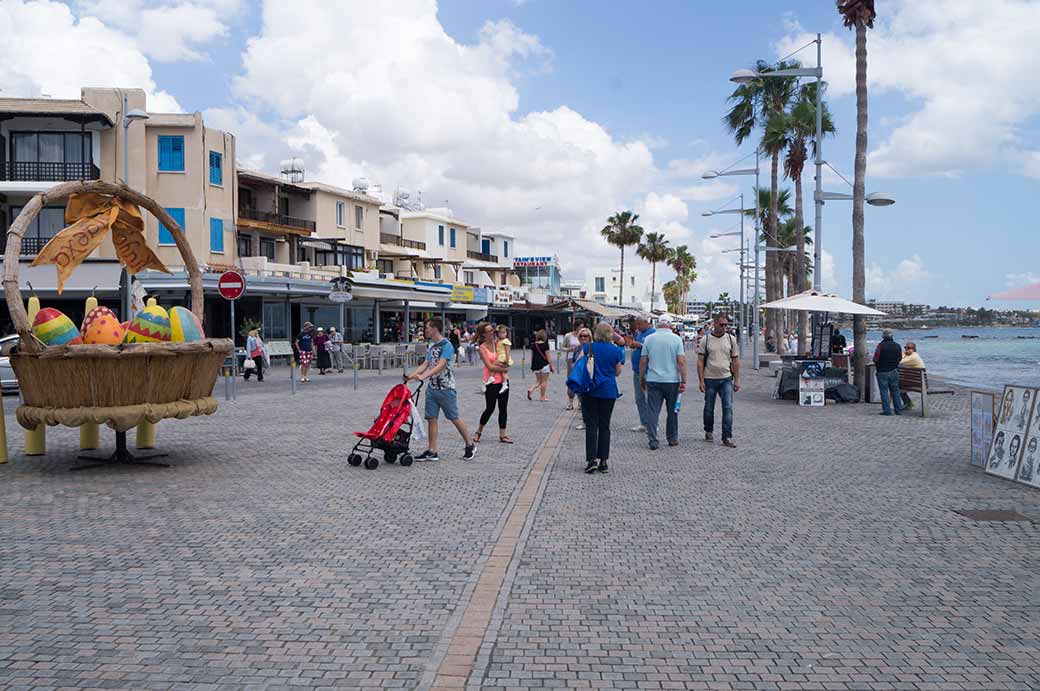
<point x="505" y="439"/>
<point x="529" y="396"/>
<point x="476" y="437"/>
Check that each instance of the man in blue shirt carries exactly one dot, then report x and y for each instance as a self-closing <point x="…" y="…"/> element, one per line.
<point x="440" y="392"/>
<point x="662" y="375"/>
<point x="641" y="328"/>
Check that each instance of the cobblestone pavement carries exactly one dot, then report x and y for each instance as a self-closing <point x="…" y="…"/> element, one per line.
<point x="822" y="554"/>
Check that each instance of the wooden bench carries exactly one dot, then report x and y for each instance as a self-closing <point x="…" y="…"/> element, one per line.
<point x="915" y="380"/>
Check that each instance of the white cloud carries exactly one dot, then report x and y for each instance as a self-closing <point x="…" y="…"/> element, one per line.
<point x="47" y="50"/>
<point x="168" y="30"/>
<point x="1017" y="280"/>
<point x="909" y="273"/>
<point x="960" y="65"/>
<point x="433" y="114"/>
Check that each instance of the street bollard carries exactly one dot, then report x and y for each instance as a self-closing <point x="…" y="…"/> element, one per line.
<point x="89" y="438"/>
<point x="292" y="376"/>
<point x="146" y="435"/>
<point x="523" y="363"/>
<point x="356" y="367"/>
<point x="227" y="385"/>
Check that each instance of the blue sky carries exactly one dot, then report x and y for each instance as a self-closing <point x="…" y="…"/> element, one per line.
<point x="578" y="108"/>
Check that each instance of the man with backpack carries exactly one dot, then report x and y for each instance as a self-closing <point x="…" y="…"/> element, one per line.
<point x="718" y="368"/>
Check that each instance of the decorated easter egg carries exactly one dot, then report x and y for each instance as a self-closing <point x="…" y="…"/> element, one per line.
<point x="150" y="325"/>
<point x="184" y="325"/>
<point x="54" y="328"/>
<point x="102" y="327"/>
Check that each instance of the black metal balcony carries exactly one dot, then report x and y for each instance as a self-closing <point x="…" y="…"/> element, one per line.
<point x="277" y="219"/>
<point x="391" y="239"/>
<point x="493" y="258"/>
<point x="30" y="246"/>
<point x="47" y="171"/>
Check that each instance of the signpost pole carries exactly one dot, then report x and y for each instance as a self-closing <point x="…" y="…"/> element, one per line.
<point x="234" y="356"/>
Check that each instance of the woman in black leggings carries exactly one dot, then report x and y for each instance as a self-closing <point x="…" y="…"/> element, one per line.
<point x="496" y="383"/>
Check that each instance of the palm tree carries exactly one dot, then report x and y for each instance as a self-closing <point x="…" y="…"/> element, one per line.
<point x="654" y="249"/>
<point x="795" y="129"/>
<point x="753" y="105"/>
<point x="684" y="264"/>
<point x="859" y="14"/>
<point x="672" y="296"/>
<point x="621" y="231"/>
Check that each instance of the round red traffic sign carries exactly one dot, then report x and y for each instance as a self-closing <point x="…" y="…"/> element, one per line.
<point x="231" y="285"/>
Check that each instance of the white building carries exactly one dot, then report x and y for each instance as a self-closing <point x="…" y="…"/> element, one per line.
<point x="603" y="284"/>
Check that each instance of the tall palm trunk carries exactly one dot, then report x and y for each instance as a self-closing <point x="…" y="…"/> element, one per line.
<point x="799" y="269"/>
<point x="859" y="327"/>
<point x="621" y="288"/>
<point x="773" y="277"/>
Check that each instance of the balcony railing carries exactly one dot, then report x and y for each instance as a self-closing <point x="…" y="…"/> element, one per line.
<point x="47" y="171"/>
<point x="391" y="239"/>
<point x="277" y="219"/>
<point x="30" y="246"/>
<point x="493" y="258"/>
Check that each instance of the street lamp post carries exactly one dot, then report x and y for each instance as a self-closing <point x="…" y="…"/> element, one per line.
<point x="129" y="117"/>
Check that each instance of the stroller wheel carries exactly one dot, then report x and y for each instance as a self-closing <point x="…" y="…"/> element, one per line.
<point x="390" y="456"/>
<point x="371" y="463"/>
<point x="406" y="459"/>
<point x="354" y="459"/>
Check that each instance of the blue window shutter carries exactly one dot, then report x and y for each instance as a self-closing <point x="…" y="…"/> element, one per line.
<point x="216" y="168"/>
<point x="452" y="237"/>
<point x="485" y="246"/>
<point x="216" y="235"/>
<point x="505" y="248"/>
<point x="440" y="235"/>
<point x="165" y="237"/>
<point x="171" y="153"/>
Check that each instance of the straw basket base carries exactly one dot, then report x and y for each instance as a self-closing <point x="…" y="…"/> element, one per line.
<point x="122" y="456"/>
<point x="118" y="418"/>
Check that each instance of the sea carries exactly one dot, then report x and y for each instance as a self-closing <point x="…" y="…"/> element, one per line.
<point x="985" y="358"/>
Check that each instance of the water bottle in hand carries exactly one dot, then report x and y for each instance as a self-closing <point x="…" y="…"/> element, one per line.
<point x="678" y="403"/>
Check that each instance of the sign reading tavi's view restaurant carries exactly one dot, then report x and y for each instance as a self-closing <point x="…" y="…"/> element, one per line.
<point x="532" y="261"/>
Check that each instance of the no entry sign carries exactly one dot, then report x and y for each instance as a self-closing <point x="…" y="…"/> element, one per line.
<point x="231" y="285"/>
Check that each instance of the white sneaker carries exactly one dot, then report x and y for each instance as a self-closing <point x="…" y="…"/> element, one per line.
<point x="579" y="426"/>
<point x="638" y="428"/>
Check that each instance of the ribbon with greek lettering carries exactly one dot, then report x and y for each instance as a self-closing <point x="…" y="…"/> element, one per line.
<point x="89" y="217"/>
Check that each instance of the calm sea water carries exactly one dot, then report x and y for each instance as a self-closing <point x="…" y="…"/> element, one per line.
<point x="998" y="356"/>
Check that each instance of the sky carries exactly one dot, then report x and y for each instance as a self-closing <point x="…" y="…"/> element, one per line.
<point x="542" y="118"/>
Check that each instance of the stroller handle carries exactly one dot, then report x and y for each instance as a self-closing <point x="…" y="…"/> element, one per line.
<point x="418" y="388"/>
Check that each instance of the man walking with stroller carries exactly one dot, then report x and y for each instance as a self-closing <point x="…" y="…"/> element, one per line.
<point x="440" y="392"/>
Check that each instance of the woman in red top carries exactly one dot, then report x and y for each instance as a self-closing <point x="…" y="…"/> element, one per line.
<point x="495" y="390"/>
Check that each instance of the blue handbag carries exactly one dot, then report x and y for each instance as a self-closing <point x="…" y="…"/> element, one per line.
<point x="582" y="379"/>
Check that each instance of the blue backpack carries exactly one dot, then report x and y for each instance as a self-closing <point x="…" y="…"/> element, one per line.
<point x="582" y="379"/>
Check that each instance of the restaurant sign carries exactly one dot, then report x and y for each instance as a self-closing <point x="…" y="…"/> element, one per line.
<point x="461" y="293"/>
<point x="532" y="261"/>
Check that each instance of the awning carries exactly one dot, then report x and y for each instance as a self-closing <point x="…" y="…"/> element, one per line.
<point x="104" y="275"/>
<point x="407" y="252"/>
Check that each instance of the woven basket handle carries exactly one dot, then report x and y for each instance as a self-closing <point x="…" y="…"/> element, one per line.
<point x="59" y="193"/>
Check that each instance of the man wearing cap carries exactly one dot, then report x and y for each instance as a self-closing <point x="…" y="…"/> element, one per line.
<point x="662" y="375"/>
<point x="887" y="356"/>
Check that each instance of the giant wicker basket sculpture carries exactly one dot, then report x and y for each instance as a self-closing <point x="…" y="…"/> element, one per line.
<point x="122" y="385"/>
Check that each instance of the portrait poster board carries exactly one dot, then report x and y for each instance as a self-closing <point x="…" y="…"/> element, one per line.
<point x="1014" y="419"/>
<point x="983" y="404"/>
<point x="821" y="339"/>
<point x="812" y="386"/>
<point x="1029" y="465"/>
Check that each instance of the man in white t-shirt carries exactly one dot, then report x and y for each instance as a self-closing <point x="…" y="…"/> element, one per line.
<point x="718" y="368"/>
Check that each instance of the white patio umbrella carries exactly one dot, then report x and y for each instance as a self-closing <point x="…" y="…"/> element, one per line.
<point x="815" y="301"/>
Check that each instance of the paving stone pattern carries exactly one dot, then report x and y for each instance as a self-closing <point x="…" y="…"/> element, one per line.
<point x="822" y="554"/>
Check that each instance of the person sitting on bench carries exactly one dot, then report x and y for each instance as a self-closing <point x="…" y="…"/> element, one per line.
<point x="911" y="360"/>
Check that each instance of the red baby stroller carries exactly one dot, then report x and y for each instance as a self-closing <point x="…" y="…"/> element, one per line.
<point x="390" y="433"/>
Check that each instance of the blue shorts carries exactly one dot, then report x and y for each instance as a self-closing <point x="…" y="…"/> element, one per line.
<point x="445" y="400"/>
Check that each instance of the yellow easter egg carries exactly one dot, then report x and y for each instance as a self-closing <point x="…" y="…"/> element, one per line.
<point x="101" y="327"/>
<point x="184" y="325"/>
<point x="150" y="325"/>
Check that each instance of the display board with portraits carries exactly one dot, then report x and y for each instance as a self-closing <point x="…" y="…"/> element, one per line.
<point x="1013" y="454"/>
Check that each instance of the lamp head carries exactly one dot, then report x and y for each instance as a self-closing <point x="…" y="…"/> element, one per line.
<point x="879" y="199"/>
<point x="708" y="213"/>
<point x="710" y="175"/>
<point x="743" y="76"/>
<point x="135" y="114"/>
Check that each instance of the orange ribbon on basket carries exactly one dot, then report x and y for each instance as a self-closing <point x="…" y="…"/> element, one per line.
<point x="89" y="217"/>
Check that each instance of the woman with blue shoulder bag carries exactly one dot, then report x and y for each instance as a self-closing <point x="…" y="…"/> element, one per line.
<point x="594" y="379"/>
